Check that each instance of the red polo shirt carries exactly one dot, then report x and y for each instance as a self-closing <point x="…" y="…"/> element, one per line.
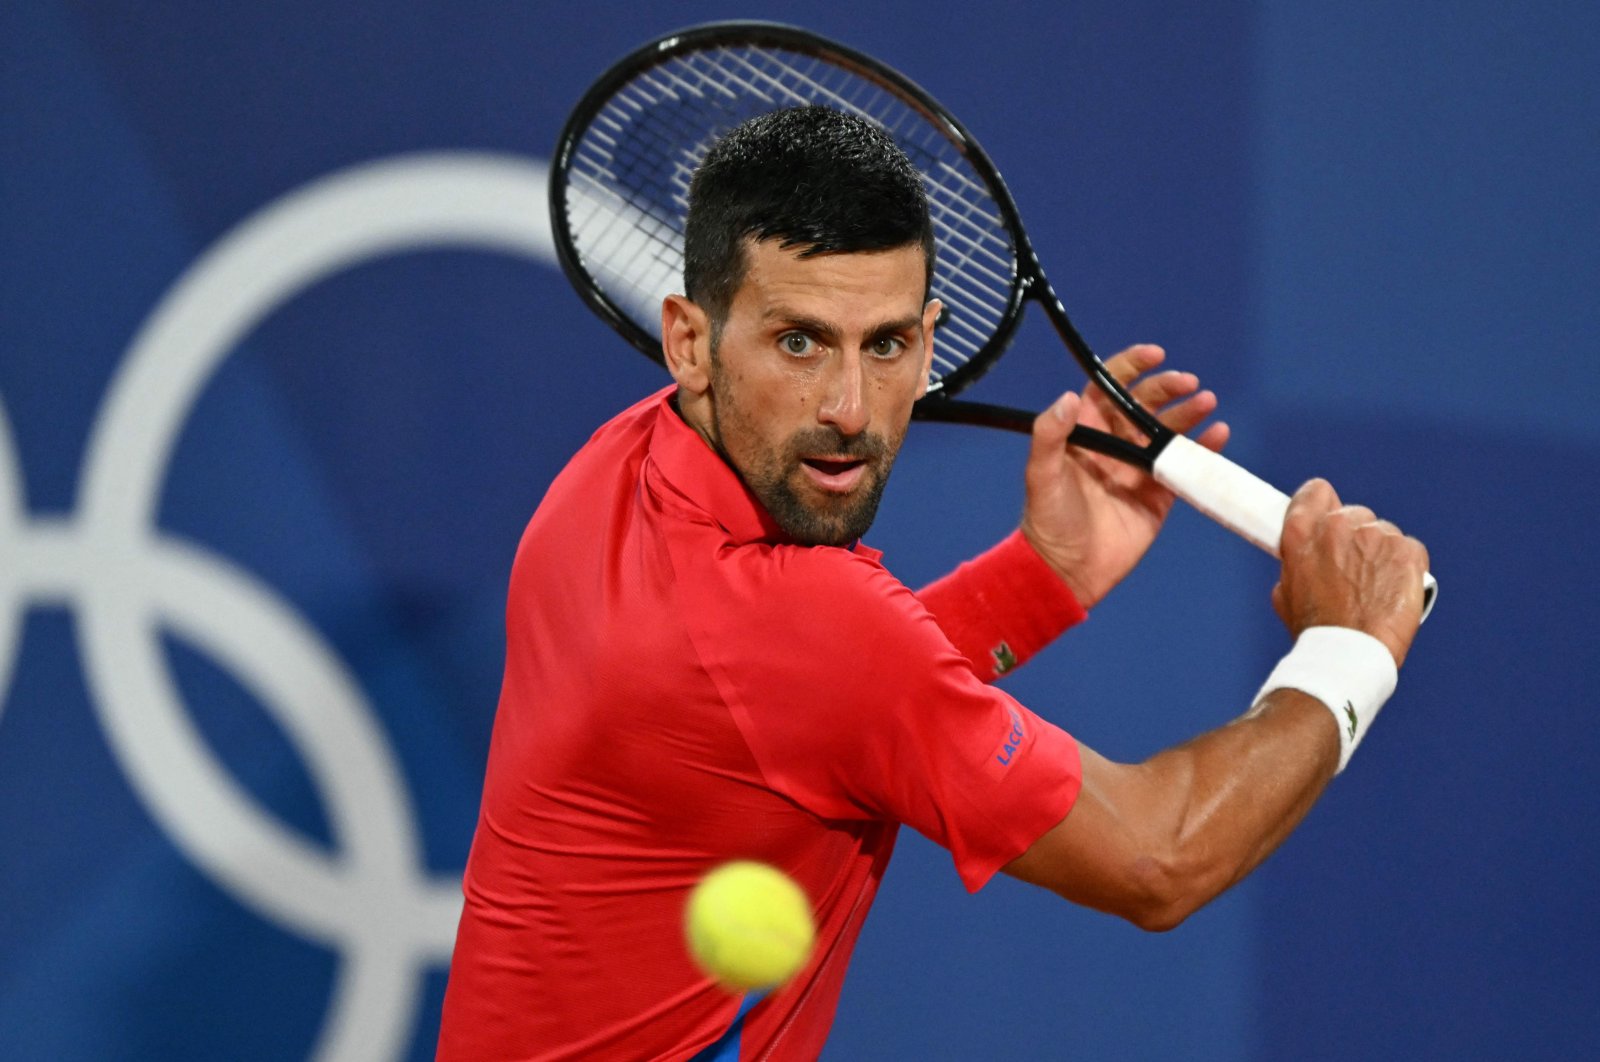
<point x="683" y="686"/>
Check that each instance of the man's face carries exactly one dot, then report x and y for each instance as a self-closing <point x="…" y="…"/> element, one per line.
<point x="812" y="383"/>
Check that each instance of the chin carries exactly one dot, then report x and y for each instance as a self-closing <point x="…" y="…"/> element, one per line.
<point x="834" y="520"/>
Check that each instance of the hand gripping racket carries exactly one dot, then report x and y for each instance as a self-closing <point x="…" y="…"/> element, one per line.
<point x="620" y="189"/>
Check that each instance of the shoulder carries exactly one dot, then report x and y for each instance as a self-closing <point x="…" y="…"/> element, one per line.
<point x="780" y="610"/>
<point x="630" y="428"/>
<point x="610" y="456"/>
<point x="805" y="584"/>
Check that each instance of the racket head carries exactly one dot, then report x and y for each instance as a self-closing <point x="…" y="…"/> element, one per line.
<point x="621" y="170"/>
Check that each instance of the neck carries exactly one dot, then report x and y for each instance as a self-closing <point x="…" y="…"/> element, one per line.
<point x="696" y="412"/>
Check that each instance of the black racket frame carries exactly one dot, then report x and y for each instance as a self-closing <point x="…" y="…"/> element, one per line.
<point x="1029" y="284"/>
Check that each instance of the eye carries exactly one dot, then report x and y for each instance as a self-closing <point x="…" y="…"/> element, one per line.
<point x="797" y="343"/>
<point x="886" y="347"/>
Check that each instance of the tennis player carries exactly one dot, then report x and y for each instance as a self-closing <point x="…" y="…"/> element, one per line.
<point x="705" y="662"/>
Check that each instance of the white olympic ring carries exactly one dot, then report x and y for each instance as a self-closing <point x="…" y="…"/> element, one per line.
<point x="126" y="581"/>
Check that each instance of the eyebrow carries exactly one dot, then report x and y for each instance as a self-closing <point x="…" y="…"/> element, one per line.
<point x="818" y="327"/>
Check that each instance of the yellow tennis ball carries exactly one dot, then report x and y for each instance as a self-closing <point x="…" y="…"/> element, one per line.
<point x="749" y="926"/>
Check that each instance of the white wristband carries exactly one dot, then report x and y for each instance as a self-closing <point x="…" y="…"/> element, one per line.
<point x="1348" y="670"/>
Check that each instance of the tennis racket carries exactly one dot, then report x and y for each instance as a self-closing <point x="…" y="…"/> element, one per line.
<point x="619" y="192"/>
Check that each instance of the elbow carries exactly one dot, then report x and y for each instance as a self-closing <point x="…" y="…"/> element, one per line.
<point x="1161" y="919"/>
<point x="1162" y="894"/>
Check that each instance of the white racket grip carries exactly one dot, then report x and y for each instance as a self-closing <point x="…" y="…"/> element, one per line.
<point x="1238" y="500"/>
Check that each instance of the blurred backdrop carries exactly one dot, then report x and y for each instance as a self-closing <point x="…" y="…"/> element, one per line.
<point x="285" y="365"/>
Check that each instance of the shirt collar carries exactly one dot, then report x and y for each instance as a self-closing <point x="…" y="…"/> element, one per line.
<point x="700" y="474"/>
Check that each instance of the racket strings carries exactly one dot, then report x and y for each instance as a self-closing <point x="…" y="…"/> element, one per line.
<point x="629" y="172"/>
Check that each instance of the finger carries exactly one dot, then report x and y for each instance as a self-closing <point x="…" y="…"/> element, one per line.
<point x="1316" y="494"/>
<point x="1314" y="500"/>
<point x="1099" y="411"/>
<point x="1389" y="527"/>
<point x="1184" y="415"/>
<point x="1419" y="553"/>
<point x="1388" y="531"/>
<point x="1216" y="436"/>
<point x="1152" y="392"/>
<point x="1158" y="389"/>
<point x="1355" y="515"/>
<point x="1130" y="364"/>
<point x="1415" y="556"/>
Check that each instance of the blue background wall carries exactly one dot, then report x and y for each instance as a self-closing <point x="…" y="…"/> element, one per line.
<point x="250" y="635"/>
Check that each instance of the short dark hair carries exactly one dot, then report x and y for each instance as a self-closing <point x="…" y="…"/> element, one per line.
<point x="811" y="177"/>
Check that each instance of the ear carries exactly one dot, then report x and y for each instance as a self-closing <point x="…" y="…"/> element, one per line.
<point x="686" y="343"/>
<point x="930" y="314"/>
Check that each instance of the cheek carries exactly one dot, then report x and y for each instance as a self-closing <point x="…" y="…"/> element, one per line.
<point x="778" y="398"/>
<point x="899" y="388"/>
<point x="759" y="412"/>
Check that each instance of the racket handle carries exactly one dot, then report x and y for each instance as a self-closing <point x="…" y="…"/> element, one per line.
<point x="1243" y="503"/>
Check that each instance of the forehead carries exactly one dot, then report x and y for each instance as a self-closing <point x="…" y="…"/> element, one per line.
<point x="842" y="285"/>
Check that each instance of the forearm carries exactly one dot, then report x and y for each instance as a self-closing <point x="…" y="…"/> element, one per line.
<point x="1153" y="842"/>
<point x="1220" y="804"/>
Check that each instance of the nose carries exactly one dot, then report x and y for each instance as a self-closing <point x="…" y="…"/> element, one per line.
<point x="845" y="405"/>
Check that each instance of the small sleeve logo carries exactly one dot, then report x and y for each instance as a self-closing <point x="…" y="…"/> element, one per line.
<point x="1004" y="659"/>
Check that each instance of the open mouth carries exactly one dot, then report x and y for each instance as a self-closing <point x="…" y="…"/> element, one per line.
<point x="835" y="474"/>
<point x="831" y="466"/>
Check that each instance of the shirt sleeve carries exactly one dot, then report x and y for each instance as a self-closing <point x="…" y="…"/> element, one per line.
<point x="855" y="705"/>
<point x="1002" y="607"/>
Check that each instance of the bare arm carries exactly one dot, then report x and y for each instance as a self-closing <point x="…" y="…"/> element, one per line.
<point x="1155" y="841"/>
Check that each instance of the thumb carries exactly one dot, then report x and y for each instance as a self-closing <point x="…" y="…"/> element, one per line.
<point x="1051" y="428"/>
<point x="1315" y="499"/>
